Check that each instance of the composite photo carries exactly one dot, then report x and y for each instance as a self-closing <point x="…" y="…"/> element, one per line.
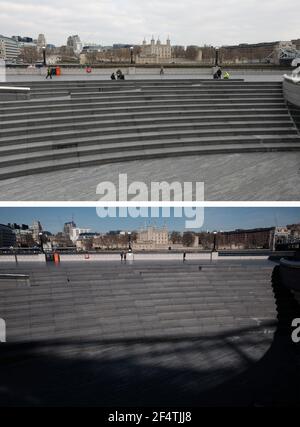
<point x="149" y="206"/>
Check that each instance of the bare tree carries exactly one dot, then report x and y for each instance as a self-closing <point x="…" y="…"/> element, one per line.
<point x="176" y="237"/>
<point x="29" y="55"/>
<point x="178" y="52"/>
<point x="188" y="239"/>
<point x="192" y="53"/>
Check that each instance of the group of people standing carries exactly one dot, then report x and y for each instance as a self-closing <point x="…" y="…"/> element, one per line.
<point x="218" y="73"/>
<point x="118" y="75"/>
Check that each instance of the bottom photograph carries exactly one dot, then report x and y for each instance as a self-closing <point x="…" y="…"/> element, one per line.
<point x="149" y="307"/>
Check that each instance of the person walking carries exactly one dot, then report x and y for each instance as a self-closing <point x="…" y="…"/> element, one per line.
<point x="122" y="256"/>
<point x="162" y="71"/>
<point x="125" y="256"/>
<point x="184" y="256"/>
<point x="49" y="73"/>
<point x="219" y="73"/>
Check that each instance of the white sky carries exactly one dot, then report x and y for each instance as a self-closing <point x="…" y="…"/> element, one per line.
<point x="128" y="21"/>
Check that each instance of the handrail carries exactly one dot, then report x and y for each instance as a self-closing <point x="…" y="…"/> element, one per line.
<point x="15" y="88"/>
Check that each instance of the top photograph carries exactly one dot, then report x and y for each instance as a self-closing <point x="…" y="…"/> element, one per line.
<point x="139" y="101"/>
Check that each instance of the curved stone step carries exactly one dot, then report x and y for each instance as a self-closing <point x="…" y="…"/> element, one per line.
<point x="153" y="117"/>
<point x="17" y="154"/>
<point x="140" y="125"/>
<point x="98" y="159"/>
<point x="218" y="110"/>
<point x="178" y="93"/>
<point x="209" y="103"/>
<point x="138" y="134"/>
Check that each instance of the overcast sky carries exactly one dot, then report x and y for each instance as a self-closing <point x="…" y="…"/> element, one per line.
<point x="188" y="22"/>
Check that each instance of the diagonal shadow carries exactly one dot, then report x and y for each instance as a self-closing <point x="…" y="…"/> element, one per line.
<point x="212" y="370"/>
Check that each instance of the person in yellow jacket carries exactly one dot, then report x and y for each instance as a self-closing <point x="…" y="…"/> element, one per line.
<point x="226" y="75"/>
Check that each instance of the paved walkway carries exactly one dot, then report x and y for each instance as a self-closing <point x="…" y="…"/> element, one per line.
<point x="254" y="76"/>
<point x="227" y="177"/>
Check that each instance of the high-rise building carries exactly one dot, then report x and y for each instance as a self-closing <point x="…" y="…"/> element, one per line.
<point x="41" y="41"/>
<point x="36" y="230"/>
<point x="7" y="236"/>
<point x="68" y="226"/>
<point x="9" y="49"/>
<point x="75" y="43"/>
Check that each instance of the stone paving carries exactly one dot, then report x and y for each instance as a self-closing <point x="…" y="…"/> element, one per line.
<point x="144" y="334"/>
<point x="239" y="177"/>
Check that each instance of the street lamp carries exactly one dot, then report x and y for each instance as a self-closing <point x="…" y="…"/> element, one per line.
<point x="41" y="242"/>
<point x="217" y="56"/>
<point x="14" y="251"/>
<point x="215" y="241"/>
<point x="131" y="55"/>
<point x="44" y="56"/>
<point x="129" y="242"/>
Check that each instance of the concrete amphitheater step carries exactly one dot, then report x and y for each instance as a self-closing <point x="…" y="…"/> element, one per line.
<point x="236" y="111"/>
<point x="162" y="117"/>
<point x="131" y="133"/>
<point x="84" y="122"/>
<point x="173" y="90"/>
<point x="111" y="127"/>
<point x="70" y="158"/>
<point x="113" y="123"/>
<point x="143" y="83"/>
<point x="58" y="109"/>
<point x="171" y="296"/>
<point x="143" y="98"/>
<point x="141" y="105"/>
<point x="19" y="153"/>
<point x="37" y="95"/>
<point x="140" y="94"/>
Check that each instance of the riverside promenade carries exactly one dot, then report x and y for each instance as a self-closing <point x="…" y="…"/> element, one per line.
<point x="140" y="73"/>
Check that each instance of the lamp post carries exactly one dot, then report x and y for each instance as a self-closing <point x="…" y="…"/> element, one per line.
<point x="131" y="55"/>
<point x="44" y="56"/>
<point x="215" y="241"/>
<point x="129" y="242"/>
<point x="14" y="251"/>
<point x="217" y="56"/>
<point x="41" y="242"/>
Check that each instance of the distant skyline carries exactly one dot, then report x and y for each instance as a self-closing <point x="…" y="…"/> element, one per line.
<point x="129" y="21"/>
<point x="224" y="219"/>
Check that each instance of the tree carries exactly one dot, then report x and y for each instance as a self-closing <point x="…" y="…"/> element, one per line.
<point x="176" y="237"/>
<point x="29" y="55"/>
<point x="192" y="53"/>
<point x="178" y="52"/>
<point x="188" y="238"/>
<point x="91" y="57"/>
<point x="67" y="55"/>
